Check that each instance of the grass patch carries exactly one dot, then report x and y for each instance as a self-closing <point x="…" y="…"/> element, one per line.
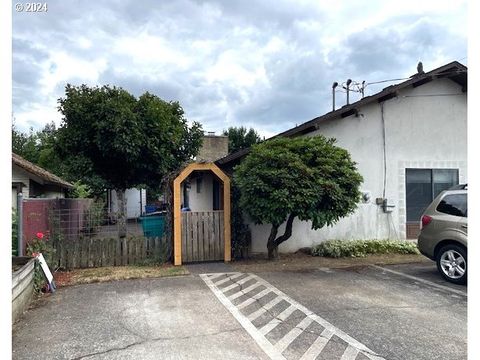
<point x="112" y="273"/>
<point x="362" y="248"/>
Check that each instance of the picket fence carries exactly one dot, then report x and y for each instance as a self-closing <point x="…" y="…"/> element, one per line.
<point x="90" y="252"/>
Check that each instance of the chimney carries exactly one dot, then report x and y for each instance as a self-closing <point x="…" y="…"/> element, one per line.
<point x="213" y="147"/>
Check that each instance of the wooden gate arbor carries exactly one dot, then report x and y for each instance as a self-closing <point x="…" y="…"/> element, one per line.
<point x="201" y="235"/>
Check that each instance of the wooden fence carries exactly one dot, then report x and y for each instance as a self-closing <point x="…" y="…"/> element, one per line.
<point x="203" y="236"/>
<point x="90" y="252"/>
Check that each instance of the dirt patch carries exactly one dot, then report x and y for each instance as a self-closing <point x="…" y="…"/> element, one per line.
<point x="112" y="273"/>
<point x="303" y="262"/>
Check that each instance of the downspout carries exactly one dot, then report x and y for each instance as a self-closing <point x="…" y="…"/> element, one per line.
<point x="384" y="149"/>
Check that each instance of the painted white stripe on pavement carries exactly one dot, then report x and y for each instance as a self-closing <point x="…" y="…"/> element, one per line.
<point x="252" y="299"/>
<point x="244" y="291"/>
<point x="438" y="286"/>
<point x="227" y="279"/>
<point x="316" y="348"/>
<point x="264" y="309"/>
<point x="283" y="343"/>
<point x="214" y="276"/>
<point x="350" y="353"/>
<point x="238" y="283"/>
<point x="337" y="332"/>
<point x="266" y="346"/>
<point x="263" y="342"/>
<point x="278" y="320"/>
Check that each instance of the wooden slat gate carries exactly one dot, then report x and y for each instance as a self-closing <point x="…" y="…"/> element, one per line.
<point x="203" y="236"/>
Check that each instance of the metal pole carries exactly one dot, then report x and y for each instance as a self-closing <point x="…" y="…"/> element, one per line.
<point x="349" y="81"/>
<point x="20" y="223"/>
<point x="335" y="84"/>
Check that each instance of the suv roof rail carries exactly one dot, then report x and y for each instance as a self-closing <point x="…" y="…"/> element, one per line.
<point x="459" y="187"/>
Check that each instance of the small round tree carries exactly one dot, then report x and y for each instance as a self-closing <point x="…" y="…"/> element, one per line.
<point x="307" y="178"/>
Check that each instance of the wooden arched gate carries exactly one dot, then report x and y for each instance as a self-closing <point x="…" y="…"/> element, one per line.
<point x="201" y="235"/>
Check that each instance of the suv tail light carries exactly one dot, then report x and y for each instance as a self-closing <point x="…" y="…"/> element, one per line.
<point x="425" y="221"/>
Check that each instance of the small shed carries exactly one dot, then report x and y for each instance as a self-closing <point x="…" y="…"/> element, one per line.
<point x="201" y="221"/>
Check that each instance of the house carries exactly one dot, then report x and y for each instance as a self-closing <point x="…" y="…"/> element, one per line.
<point x="35" y="182"/>
<point x="410" y="143"/>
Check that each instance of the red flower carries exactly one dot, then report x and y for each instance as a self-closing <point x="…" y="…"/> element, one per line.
<point x="40" y="235"/>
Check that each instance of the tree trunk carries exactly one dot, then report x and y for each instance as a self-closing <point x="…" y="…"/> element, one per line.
<point x="122" y="213"/>
<point x="273" y="241"/>
<point x="272" y="249"/>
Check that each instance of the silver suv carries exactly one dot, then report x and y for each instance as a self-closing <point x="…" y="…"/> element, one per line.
<point x="443" y="235"/>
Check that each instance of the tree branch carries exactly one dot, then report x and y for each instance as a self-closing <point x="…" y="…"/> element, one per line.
<point x="288" y="231"/>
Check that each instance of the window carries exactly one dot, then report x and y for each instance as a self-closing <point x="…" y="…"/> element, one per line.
<point x="454" y="204"/>
<point x="423" y="185"/>
<point x="199" y="185"/>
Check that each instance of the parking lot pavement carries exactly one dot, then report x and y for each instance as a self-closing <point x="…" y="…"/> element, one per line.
<point x="426" y="273"/>
<point x="387" y="312"/>
<point x="283" y="327"/>
<point x="396" y="316"/>
<point x="166" y="318"/>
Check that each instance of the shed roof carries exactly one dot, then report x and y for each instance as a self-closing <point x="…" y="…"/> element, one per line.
<point x="40" y="172"/>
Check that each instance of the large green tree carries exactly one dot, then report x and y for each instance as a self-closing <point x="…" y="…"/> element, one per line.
<point x="308" y="178"/>
<point x="112" y="140"/>
<point x="241" y="138"/>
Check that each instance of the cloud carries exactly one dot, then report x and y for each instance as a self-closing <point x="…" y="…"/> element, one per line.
<point x="269" y="65"/>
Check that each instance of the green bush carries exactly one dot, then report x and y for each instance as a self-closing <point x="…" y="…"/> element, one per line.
<point x="241" y="233"/>
<point x="362" y="248"/>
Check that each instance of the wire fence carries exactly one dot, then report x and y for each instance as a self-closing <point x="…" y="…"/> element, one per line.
<point x="97" y="223"/>
<point x="94" y="237"/>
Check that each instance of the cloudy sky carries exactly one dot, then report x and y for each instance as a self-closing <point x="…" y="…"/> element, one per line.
<point x="263" y="64"/>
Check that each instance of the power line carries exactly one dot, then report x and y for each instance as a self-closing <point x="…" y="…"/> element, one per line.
<point x="407" y="78"/>
<point x="422" y="95"/>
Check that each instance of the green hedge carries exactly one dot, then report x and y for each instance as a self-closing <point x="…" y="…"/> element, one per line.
<point x="361" y="248"/>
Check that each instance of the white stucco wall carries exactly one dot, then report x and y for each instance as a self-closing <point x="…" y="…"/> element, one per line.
<point x="203" y="200"/>
<point x="135" y="207"/>
<point x="421" y="132"/>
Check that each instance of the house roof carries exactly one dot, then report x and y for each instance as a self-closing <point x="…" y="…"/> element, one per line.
<point x="36" y="170"/>
<point x="454" y="71"/>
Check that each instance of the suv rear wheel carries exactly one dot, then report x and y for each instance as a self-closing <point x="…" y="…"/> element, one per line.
<point x="452" y="263"/>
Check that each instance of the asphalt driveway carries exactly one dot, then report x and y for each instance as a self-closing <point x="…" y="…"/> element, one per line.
<point x="165" y="318"/>
<point x="388" y="312"/>
<point x="399" y="311"/>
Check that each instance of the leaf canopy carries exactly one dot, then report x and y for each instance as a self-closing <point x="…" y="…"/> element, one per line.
<point x="111" y="139"/>
<point x="309" y="177"/>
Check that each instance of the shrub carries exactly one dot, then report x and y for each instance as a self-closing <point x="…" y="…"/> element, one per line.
<point x="241" y="233"/>
<point x="361" y="248"/>
<point x="304" y="178"/>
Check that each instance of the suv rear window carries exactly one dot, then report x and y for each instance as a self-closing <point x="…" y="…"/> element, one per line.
<point x="454" y="204"/>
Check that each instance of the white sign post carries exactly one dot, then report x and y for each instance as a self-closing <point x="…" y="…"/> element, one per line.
<point x="46" y="271"/>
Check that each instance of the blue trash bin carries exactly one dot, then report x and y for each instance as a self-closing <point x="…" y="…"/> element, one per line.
<point x="150" y="209"/>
